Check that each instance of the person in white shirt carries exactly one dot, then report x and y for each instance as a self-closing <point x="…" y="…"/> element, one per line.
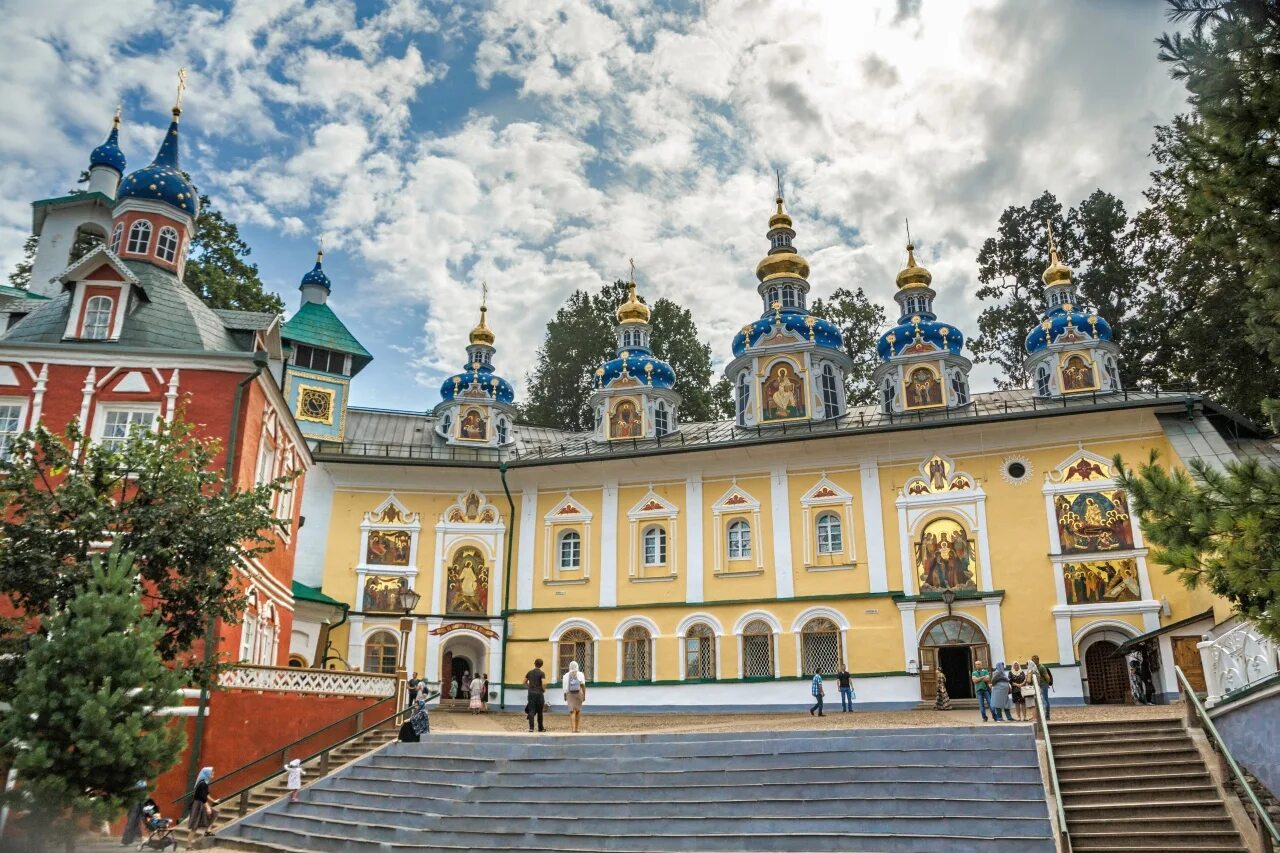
<point x="477" y="691"/>
<point x="575" y="693"/>
<point x="294" y="779"/>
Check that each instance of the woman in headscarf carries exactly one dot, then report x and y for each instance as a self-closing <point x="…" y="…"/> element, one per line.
<point x="133" y="824"/>
<point x="575" y="693"/>
<point x="476" y="689"/>
<point x="1017" y="681"/>
<point x="1000" y="693"/>
<point x="202" y="814"/>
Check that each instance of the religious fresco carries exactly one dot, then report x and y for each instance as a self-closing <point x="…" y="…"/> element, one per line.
<point x="783" y="394"/>
<point x="468" y="510"/>
<point x="1101" y="582"/>
<point x="1078" y="374"/>
<point x="388" y="548"/>
<point x="382" y="594"/>
<point x="946" y="557"/>
<point x="468" y="582"/>
<point x="474" y="426"/>
<point x="1093" y="521"/>
<point x="624" y="422"/>
<point x="938" y="474"/>
<point x="923" y="389"/>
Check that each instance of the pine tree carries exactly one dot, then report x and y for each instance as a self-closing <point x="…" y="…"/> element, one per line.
<point x="1219" y="528"/>
<point x="84" y="726"/>
<point x="217" y="267"/>
<point x="860" y="321"/>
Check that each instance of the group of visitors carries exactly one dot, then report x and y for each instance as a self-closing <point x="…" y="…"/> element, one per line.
<point x="818" y="691"/>
<point x="1002" y="691"/>
<point x="574" y="684"/>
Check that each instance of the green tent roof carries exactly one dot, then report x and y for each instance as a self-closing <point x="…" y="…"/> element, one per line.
<point x="316" y="325"/>
<point x="19" y="293"/>
<point x="302" y="592"/>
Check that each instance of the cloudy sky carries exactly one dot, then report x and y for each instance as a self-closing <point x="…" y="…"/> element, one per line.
<point x="538" y="144"/>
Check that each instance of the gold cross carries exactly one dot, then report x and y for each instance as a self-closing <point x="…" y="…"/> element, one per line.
<point x="778" y="172"/>
<point x="484" y="293"/>
<point x="182" y="87"/>
<point x="633" y="269"/>
<point x="1048" y="226"/>
<point x="119" y="109"/>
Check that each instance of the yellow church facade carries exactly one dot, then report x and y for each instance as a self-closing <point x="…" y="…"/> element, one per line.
<point x="721" y="565"/>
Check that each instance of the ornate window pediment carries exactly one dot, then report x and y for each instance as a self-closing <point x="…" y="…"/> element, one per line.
<point x="1082" y="466"/>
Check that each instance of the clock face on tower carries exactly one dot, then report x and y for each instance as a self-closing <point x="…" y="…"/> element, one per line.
<point x="315" y="404"/>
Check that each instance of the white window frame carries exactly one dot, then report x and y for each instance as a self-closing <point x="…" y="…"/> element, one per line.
<point x="264" y="471"/>
<point x="739" y="529"/>
<point x="100" y="416"/>
<point x="833" y="535"/>
<point x="167" y="244"/>
<point x="117" y="237"/>
<point x="742" y="396"/>
<point x="830" y="386"/>
<point x="569" y="543"/>
<point x="104" y="328"/>
<point x="655" y="535"/>
<point x="7" y="436"/>
<point x="139" y="234"/>
<point x="661" y="419"/>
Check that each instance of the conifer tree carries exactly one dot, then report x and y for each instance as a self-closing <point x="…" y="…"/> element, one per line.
<point x="1219" y="528"/>
<point x="84" y="726"/>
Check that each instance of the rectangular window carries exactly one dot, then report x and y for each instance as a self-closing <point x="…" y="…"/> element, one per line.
<point x="10" y="426"/>
<point x="266" y="463"/>
<point x="118" y="422"/>
<point x="315" y="358"/>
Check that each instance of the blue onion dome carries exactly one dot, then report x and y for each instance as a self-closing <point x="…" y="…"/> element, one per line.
<point x="163" y="180"/>
<point x="108" y="153"/>
<point x="1065" y="325"/>
<point x="317" y="276"/>
<point x="477" y="382"/>
<point x="918" y="335"/>
<point x="640" y="366"/>
<point x="810" y="327"/>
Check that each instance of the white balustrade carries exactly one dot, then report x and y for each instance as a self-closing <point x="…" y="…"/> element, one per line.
<point x="287" y="679"/>
<point x="1240" y="657"/>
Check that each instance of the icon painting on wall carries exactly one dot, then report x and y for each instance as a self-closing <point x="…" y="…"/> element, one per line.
<point x="783" y="396"/>
<point x="1078" y="374"/>
<point x="625" y="420"/>
<point x="1093" y="521"/>
<point x="468" y="590"/>
<point x="924" y="389"/>
<point x="474" y="426"/>
<point x="1100" y="582"/>
<point x="382" y="594"/>
<point x="388" y="548"/>
<point x="945" y="557"/>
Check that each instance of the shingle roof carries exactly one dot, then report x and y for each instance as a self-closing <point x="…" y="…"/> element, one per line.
<point x="316" y="325"/>
<point x="170" y="317"/>
<point x="245" y="321"/>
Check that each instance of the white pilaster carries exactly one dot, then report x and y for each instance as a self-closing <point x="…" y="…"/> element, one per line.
<point x="908" y="564"/>
<point x="609" y="546"/>
<point x="909" y="649"/>
<point x="524" y="559"/>
<point x="355" y="643"/>
<point x="37" y="398"/>
<point x="90" y="380"/>
<point x="1066" y="649"/>
<point x="995" y="629"/>
<point x="984" y="547"/>
<point x="693" y="541"/>
<point x="437" y="576"/>
<point x="780" y="503"/>
<point x="873" y="529"/>
<point x="171" y="396"/>
<point x="431" y="666"/>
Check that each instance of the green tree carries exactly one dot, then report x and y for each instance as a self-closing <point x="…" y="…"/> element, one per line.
<point x="21" y="274"/>
<point x="217" y="269"/>
<point x="158" y="497"/>
<point x="1219" y="528"/>
<point x="860" y="321"/>
<point x="84" y="725"/>
<point x="1227" y="149"/>
<point x="580" y="337"/>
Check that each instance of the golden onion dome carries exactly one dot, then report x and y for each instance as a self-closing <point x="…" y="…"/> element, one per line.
<point x="482" y="334"/>
<point x="633" y="310"/>
<point x="913" y="275"/>
<point x="1057" y="272"/>
<point x="780" y="218"/>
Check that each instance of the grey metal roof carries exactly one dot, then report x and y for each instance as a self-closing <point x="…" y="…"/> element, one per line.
<point x="170" y="317"/>
<point x="408" y="436"/>
<point x="248" y="321"/>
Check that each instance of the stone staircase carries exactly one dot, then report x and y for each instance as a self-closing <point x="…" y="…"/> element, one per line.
<point x="893" y="790"/>
<point x="1138" y="784"/>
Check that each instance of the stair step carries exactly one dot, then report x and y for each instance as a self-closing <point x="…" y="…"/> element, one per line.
<point x="1153" y="839"/>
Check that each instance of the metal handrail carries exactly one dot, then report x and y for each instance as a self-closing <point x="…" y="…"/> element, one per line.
<point x="1064" y="838"/>
<point x="1198" y="716"/>
<point x="283" y="750"/>
<point x="242" y="795"/>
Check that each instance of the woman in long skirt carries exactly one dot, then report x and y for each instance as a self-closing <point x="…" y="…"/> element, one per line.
<point x="202" y="814"/>
<point x="942" y="701"/>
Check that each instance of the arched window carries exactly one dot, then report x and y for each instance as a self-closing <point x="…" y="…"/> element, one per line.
<point x="959" y="388"/>
<point x="775" y="295"/>
<point x="1113" y="372"/>
<point x="117" y="234"/>
<point x="655" y="546"/>
<point x="739" y="540"/>
<point x="167" y="244"/>
<point x="830" y="535"/>
<point x="502" y="430"/>
<point x="446" y="423"/>
<point x="139" y="237"/>
<point x="700" y="651"/>
<point x="637" y="647"/>
<point x="789" y="297"/>
<point x="381" y="653"/>
<point x="744" y="396"/>
<point x="830" y="391"/>
<point x="888" y="391"/>
<point x="249" y="632"/>
<point x="661" y="419"/>
<point x="576" y="644"/>
<point x="97" y="318"/>
<point x="1042" y="381"/>
<point x="757" y="650"/>
<point x="570" y="550"/>
<point x="820" y="646"/>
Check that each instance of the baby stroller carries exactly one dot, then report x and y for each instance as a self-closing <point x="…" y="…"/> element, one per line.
<point x="159" y="829"/>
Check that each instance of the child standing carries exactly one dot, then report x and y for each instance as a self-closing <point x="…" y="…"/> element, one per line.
<point x="294" y="780"/>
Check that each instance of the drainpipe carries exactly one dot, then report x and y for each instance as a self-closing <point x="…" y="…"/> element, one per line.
<point x="506" y="591"/>
<point x="210" y="634"/>
<point x="328" y="643"/>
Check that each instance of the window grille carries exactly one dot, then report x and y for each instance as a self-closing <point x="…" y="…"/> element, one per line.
<point x="739" y="540"/>
<point x="167" y="245"/>
<point x="830" y="536"/>
<point x="636" y="643"/>
<point x="140" y="237"/>
<point x="381" y="653"/>
<point x="953" y="631"/>
<point x="789" y="297"/>
<point x="820" y="641"/>
<point x="757" y="650"/>
<point x="1042" y="381"/>
<point x="830" y="392"/>
<point x="570" y="550"/>
<point x="576" y="644"/>
<point x="115" y="431"/>
<point x="655" y="547"/>
<point x="661" y="420"/>
<point x="10" y="426"/>
<point x="97" y="318"/>
<point x="700" y="652"/>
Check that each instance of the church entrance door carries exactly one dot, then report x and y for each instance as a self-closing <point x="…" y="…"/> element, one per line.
<point x="1107" y="673"/>
<point x="948" y="650"/>
<point x="955" y="663"/>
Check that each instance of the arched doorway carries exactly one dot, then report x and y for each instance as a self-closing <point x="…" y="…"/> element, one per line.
<point x="1106" y="673"/>
<point x="948" y="649"/>
<point x="462" y="657"/>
